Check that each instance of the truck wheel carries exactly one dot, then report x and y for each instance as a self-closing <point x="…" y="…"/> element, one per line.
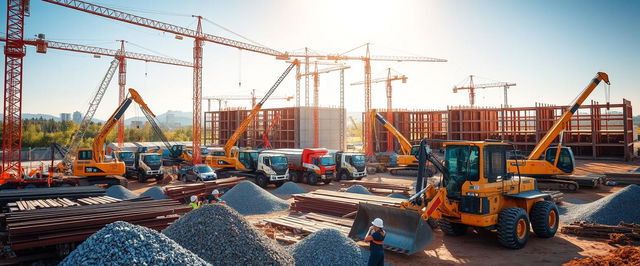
<point x="312" y="179"/>
<point x="452" y="229"/>
<point x="544" y="219"/>
<point x="183" y="178"/>
<point x="327" y="181"/>
<point x="294" y="177"/>
<point x="262" y="181"/>
<point x="513" y="228"/>
<point x="342" y="176"/>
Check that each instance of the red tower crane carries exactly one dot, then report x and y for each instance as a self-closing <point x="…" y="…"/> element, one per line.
<point x="198" y="36"/>
<point x="265" y="134"/>
<point x="390" y="78"/>
<point x="472" y="87"/>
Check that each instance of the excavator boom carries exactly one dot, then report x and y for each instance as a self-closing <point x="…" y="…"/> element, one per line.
<point x="405" y="145"/>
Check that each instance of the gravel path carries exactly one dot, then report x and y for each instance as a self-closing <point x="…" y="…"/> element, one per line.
<point x="122" y="243"/>
<point x="327" y="247"/>
<point x="358" y="189"/>
<point x="248" y="199"/>
<point x="621" y="206"/>
<point x="156" y="193"/>
<point x="289" y="188"/>
<point x="222" y="236"/>
<point x="120" y="192"/>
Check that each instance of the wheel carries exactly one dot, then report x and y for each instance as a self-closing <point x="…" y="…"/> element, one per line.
<point x="278" y="184"/>
<point x="294" y="177"/>
<point x="142" y="179"/>
<point x="312" y="179"/>
<point x="326" y="181"/>
<point x="262" y="181"/>
<point x="544" y="219"/>
<point x="343" y="175"/>
<point x="513" y="228"/>
<point x="452" y="229"/>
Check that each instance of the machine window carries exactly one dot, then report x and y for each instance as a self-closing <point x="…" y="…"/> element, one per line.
<point x="462" y="163"/>
<point x="495" y="162"/>
<point x="85" y="155"/>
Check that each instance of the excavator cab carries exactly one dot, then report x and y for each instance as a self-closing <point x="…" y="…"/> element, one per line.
<point x="566" y="160"/>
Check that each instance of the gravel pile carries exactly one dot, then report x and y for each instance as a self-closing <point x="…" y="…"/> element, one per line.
<point x="222" y="236"/>
<point x="122" y="243"/>
<point x="358" y="189"/>
<point x="327" y="247"/>
<point x="621" y="206"/>
<point x="397" y="196"/>
<point x="120" y="192"/>
<point x="248" y="199"/>
<point x="289" y="188"/>
<point x="156" y="193"/>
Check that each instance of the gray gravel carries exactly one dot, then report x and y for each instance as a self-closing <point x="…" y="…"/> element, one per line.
<point x="621" y="206"/>
<point x="156" y="193"/>
<point x="289" y="188"/>
<point x="358" y="189"/>
<point x="120" y="192"/>
<point x="248" y="199"/>
<point x="327" y="247"/>
<point x="222" y="236"/>
<point x="122" y="243"/>
<point x="397" y="196"/>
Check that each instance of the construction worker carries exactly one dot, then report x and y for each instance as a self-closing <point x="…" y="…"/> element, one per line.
<point x="194" y="202"/>
<point x="375" y="236"/>
<point x="215" y="197"/>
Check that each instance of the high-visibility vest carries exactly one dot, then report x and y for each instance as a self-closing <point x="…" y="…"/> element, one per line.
<point x="194" y="205"/>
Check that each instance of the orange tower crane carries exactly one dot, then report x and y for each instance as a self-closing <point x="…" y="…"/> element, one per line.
<point x="226" y="98"/>
<point x="198" y="36"/>
<point x="316" y="85"/>
<point x="472" y="87"/>
<point x="390" y="78"/>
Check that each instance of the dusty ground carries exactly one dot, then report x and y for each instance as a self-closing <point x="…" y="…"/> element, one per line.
<point x="481" y="247"/>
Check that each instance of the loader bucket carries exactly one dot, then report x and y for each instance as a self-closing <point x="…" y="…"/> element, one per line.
<point x="406" y="232"/>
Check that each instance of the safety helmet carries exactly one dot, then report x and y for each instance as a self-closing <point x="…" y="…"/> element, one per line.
<point x="194" y="198"/>
<point x="377" y="222"/>
<point x="215" y="192"/>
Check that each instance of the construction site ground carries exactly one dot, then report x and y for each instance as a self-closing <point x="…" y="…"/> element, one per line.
<point x="481" y="247"/>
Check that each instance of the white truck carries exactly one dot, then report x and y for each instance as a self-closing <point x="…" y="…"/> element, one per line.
<point x="264" y="168"/>
<point x="350" y="165"/>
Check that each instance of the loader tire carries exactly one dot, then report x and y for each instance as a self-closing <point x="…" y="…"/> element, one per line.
<point x="452" y="229"/>
<point x="513" y="228"/>
<point x="545" y="219"/>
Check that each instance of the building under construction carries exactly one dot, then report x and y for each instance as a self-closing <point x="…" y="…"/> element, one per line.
<point x="595" y="132"/>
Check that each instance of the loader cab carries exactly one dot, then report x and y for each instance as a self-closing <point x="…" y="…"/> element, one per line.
<point x="566" y="160"/>
<point x="463" y="163"/>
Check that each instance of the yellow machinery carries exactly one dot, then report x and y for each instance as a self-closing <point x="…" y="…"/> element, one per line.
<point x="235" y="158"/>
<point x="91" y="162"/>
<point x="476" y="190"/>
<point x="406" y="159"/>
<point x="557" y="160"/>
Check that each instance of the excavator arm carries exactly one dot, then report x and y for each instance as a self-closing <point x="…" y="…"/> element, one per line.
<point x="405" y="145"/>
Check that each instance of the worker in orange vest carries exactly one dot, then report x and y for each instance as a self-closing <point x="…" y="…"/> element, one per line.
<point x="375" y="237"/>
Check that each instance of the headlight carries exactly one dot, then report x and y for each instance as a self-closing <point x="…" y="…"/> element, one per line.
<point x="472" y="194"/>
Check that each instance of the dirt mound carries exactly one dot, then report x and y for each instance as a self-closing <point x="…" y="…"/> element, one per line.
<point x="617" y="257"/>
<point x="327" y="247"/>
<point x="358" y="189"/>
<point x="156" y="193"/>
<point x="611" y="210"/>
<point x="289" y="188"/>
<point x="222" y="236"/>
<point x="120" y="192"/>
<point x="122" y="243"/>
<point x="248" y="199"/>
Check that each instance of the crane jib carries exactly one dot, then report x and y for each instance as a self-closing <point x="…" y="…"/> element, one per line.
<point x="123" y="109"/>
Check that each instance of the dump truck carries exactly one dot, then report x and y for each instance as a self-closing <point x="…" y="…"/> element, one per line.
<point x="349" y="165"/>
<point x="265" y="169"/>
<point x="308" y="165"/>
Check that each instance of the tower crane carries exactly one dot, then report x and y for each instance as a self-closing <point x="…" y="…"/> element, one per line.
<point x="253" y="99"/>
<point x="390" y="78"/>
<point x="199" y="38"/>
<point x="316" y="85"/>
<point x="472" y="87"/>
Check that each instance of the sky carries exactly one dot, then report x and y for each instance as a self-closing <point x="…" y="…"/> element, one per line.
<point x="551" y="49"/>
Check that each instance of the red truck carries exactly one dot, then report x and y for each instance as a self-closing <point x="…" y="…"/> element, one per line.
<point x="308" y="165"/>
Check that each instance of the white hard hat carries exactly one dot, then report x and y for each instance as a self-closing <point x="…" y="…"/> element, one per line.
<point x="215" y="191"/>
<point x="377" y="222"/>
<point x="194" y="198"/>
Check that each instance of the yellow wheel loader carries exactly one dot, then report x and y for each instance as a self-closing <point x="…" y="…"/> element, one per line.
<point x="475" y="190"/>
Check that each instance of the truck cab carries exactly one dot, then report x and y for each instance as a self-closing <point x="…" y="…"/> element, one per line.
<point x="148" y="165"/>
<point x="350" y="165"/>
<point x="272" y="169"/>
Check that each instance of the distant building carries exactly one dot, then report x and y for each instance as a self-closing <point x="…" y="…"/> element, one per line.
<point x="65" y="116"/>
<point x="136" y="124"/>
<point x="77" y="117"/>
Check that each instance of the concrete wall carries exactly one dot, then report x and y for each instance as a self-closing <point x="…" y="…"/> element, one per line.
<point x="329" y="127"/>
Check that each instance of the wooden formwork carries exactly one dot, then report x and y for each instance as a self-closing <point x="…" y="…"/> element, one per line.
<point x="594" y="131"/>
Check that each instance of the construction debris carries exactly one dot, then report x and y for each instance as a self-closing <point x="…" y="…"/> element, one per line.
<point x="222" y="236"/>
<point x="379" y="187"/>
<point x="622" y="233"/>
<point x="122" y="243"/>
<point x="289" y="188"/>
<point x="247" y="198"/>
<point x="338" y="203"/>
<point x="557" y="196"/>
<point x="358" y="189"/>
<point x="183" y="192"/>
<point x="156" y="193"/>
<point x="610" y="210"/>
<point x="624" y="178"/>
<point x="304" y="224"/>
<point x="120" y="192"/>
<point x="618" y="257"/>
<point x="327" y="247"/>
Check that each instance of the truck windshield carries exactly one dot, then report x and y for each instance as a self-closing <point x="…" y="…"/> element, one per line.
<point x="204" y="169"/>
<point x="279" y="160"/>
<point x="125" y="156"/>
<point x="327" y="161"/>
<point x="152" y="159"/>
<point x="358" y="159"/>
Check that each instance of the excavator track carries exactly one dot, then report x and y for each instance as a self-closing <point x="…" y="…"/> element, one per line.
<point x="557" y="184"/>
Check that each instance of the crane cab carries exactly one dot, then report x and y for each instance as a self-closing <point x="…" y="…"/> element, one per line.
<point x="549" y="166"/>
